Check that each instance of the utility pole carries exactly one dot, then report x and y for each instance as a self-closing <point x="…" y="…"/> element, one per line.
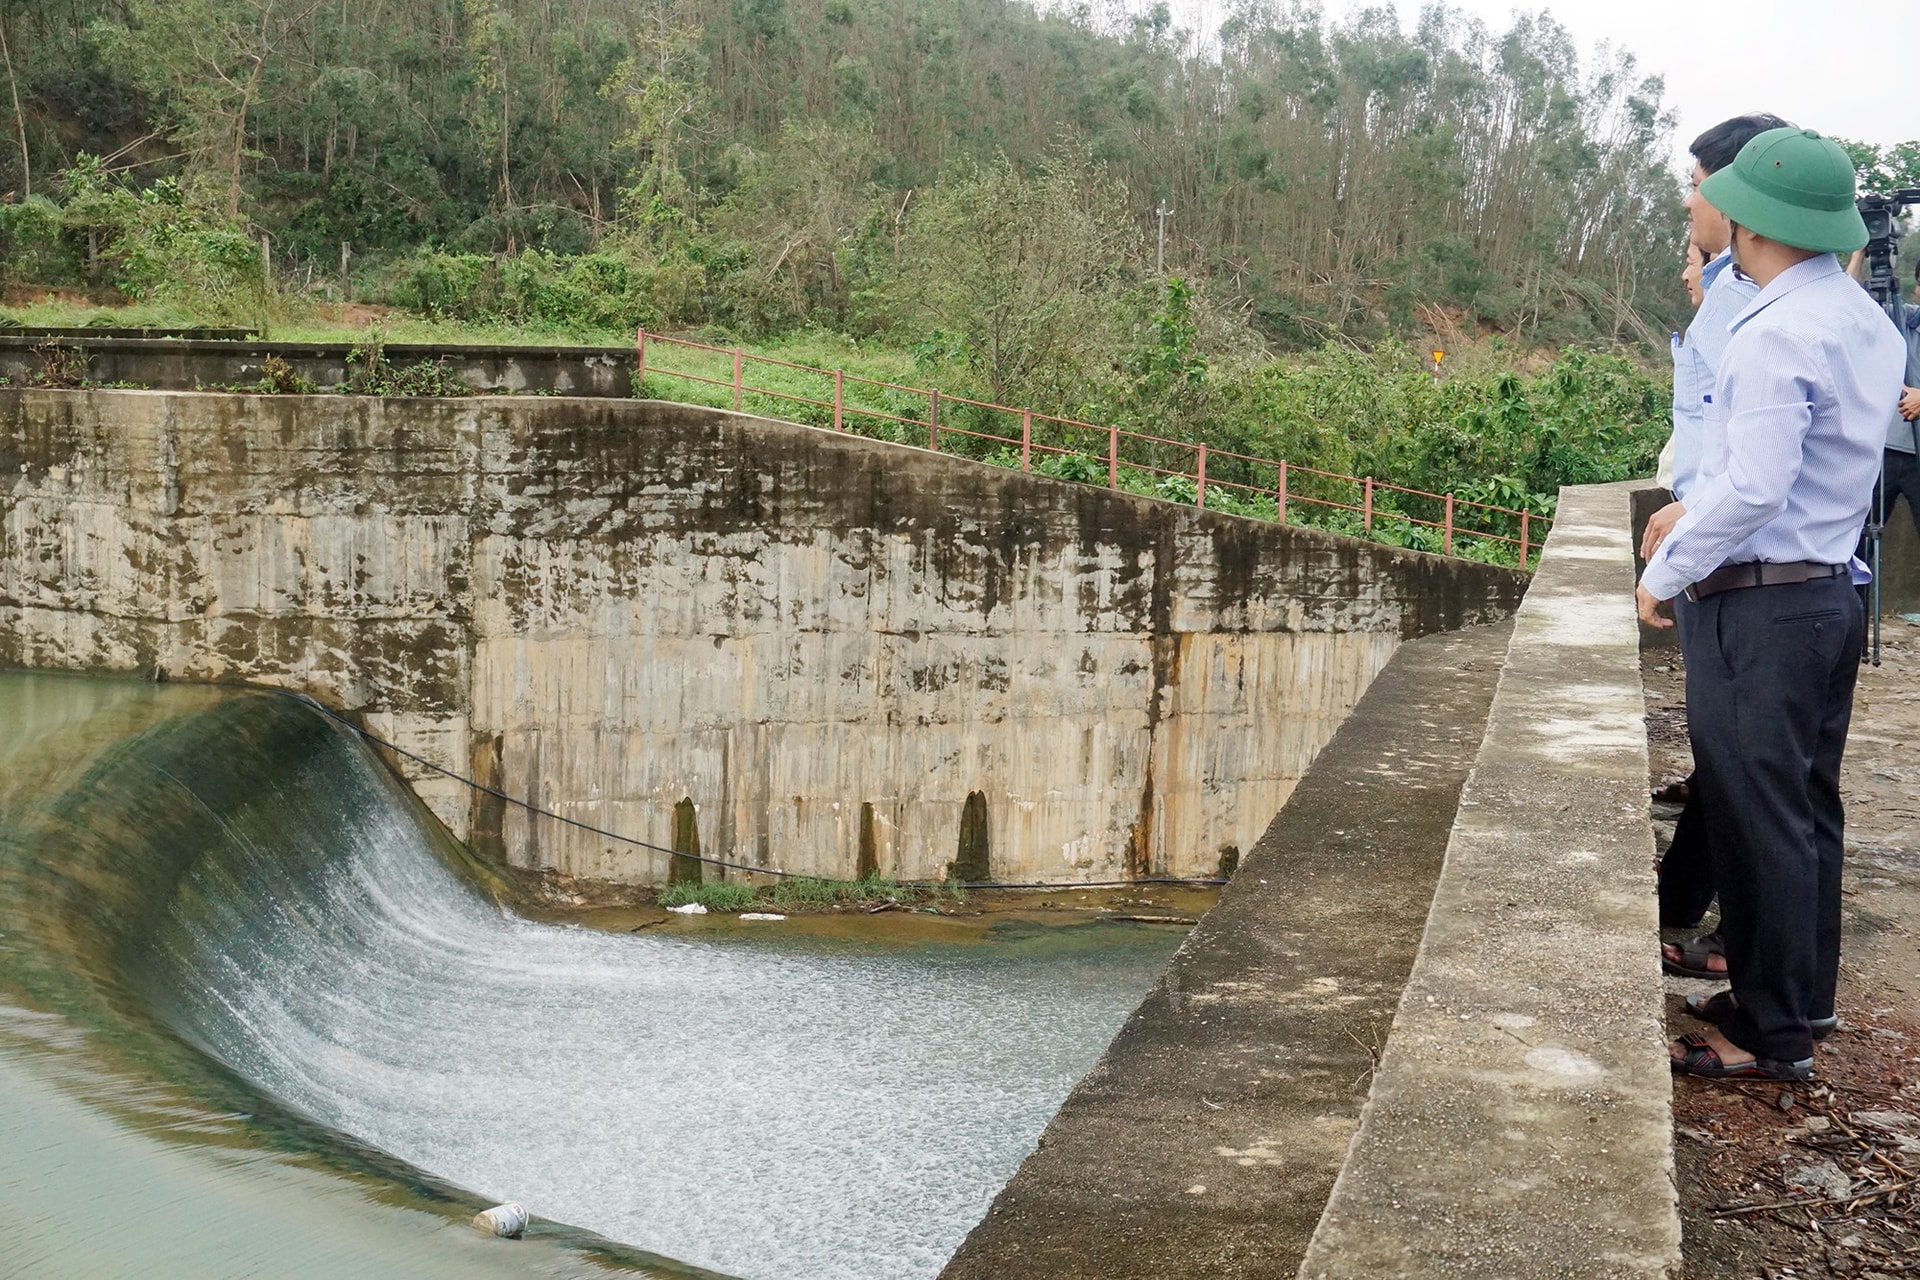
<point x="1160" y="253"/>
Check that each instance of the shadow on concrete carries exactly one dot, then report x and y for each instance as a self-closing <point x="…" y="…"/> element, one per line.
<point x="1469" y="862"/>
<point x="1206" y="1140"/>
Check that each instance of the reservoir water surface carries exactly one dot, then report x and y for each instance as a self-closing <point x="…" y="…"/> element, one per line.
<point x="259" y="1014"/>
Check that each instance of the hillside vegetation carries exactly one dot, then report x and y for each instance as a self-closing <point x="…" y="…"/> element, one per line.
<point x="963" y="190"/>
<point x="762" y="164"/>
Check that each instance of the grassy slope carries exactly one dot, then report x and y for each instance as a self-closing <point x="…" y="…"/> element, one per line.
<point x="880" y="411"/>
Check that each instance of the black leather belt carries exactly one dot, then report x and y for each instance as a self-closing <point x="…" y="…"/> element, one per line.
<point x="1756" y="573"/>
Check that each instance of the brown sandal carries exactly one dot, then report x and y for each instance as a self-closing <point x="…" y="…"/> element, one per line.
<point x="1702" y="1059"/>
<point x="1694" y="954"/>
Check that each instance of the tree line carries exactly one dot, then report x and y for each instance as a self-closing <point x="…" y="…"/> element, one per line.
<point x="761" y="165"/>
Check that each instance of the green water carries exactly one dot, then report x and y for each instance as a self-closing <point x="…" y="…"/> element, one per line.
<point x="259" y="1016"/>
<point x="123" y="1150"/>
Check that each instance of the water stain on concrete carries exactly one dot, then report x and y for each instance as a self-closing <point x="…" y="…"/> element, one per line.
<point x="617" y="605"/>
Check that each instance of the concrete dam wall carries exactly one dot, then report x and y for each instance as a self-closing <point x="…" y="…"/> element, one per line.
<point x="849" y="656"/>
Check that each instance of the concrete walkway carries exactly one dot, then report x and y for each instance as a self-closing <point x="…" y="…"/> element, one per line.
<point x="1520" y="1124"/>
<point x="1205" y="1141"/>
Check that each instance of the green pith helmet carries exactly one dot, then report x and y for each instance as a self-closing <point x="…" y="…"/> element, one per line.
<point x="1794" y="186"/>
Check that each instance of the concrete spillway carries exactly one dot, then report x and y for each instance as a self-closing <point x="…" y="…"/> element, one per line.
<point x="834" y="656"/>
<point x="240" y="959"/>
<point x="615" y="607"/>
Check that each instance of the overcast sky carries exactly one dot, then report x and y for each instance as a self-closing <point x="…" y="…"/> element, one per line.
<point x="1805" y="61"/>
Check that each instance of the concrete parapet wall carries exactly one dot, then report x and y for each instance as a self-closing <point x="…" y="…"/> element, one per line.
<point x="1205" y="1140"/>
<point x="193" y="364"/>
<point x="607" y="606"/>
<point x="1519" y="1123"/>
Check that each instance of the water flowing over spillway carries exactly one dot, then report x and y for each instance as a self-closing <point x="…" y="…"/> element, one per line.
<point x="224" y="896"/>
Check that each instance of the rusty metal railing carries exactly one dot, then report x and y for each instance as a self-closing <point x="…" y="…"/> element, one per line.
<point x="1124" y="453"/>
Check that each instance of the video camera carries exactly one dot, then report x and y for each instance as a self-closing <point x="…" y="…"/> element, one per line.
<point x="1883" y="282"/>
<point x="1879" y="212"/>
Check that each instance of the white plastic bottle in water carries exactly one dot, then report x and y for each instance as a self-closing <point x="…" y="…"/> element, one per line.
<point x="507" y="1220"/>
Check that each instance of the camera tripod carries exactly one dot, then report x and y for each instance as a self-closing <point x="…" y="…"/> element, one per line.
<point x="1883" y="282"/>
<point x="1876" y="523"/>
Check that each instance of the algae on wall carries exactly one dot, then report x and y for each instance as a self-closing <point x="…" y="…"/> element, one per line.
<point x="826" y="644"/>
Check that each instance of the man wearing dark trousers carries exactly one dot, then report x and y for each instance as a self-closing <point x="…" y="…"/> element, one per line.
<point x="1686" y="871"/>
<point x="1763" y="548"/>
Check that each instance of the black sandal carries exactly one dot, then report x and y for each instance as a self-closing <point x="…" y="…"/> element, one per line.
<point x="1719" y="1006"/>
<point x="1675" y="792"/>
<point x="1694" y="953"/>
<point x="1703" y="1060"/>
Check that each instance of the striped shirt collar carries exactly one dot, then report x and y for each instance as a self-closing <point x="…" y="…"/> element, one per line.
<point x="1711" y="272"/>
<point x="1722" y="261"/>
<point x="1818" y="267"/>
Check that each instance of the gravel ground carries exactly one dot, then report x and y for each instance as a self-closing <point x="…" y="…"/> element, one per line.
<point x="1815" y="1180"/>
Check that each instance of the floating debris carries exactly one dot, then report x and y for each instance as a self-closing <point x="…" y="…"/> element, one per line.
<point x="689" y="909"/>
<point x="504" y="1220"/>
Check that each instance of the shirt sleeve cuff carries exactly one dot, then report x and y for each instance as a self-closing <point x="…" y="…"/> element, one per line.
<point x="1661" y="582"/>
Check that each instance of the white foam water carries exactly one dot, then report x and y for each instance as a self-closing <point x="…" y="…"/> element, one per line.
<point x="765" y="1107"/>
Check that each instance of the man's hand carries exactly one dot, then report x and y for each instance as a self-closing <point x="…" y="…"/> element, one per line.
<point x="1650" y="609"/>
<point x="1658" y="527"/>
<point x="1910" y="403"/>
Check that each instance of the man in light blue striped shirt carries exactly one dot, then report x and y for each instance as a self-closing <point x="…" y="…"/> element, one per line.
<point x="1696" y="361"/>
<point x="1764" y="551"/>
<point x="1726" y="293"/>
<point x="1686" y="872"/>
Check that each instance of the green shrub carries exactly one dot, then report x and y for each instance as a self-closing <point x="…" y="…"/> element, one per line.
<point x="1081" y="468"/>
<point x="549" y="227"/>
<point x="440" y="285"/>
<point x="583" y="295"/>
<point x="817" y="891"/>
<point x="370" y="373"/>
<point x="278" y="378"/>
<point x="169" y="244"/>
<point x="32" y="250"/>
<point x="806" y="891"/>
<point x="797" y="892"/>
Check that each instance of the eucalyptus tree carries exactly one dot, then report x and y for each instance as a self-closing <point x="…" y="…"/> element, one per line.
<point x="1327" y="176"/>
<point x="208" y="62"/>
<point x="1023" y="271"/>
